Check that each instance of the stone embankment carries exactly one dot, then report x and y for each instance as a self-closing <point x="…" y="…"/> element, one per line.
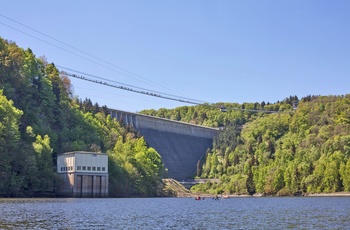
<point x="174" y="188"/>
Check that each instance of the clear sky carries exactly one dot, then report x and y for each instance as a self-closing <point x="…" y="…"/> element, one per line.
<point x="213" y="51"/>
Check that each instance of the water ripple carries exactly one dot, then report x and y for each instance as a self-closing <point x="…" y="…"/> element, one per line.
<point x="176" y="213"/>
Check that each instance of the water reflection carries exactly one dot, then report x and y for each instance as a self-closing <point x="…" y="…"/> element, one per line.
<point x="176" y="213"/>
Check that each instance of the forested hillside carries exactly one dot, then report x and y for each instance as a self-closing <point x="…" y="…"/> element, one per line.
<point x="39" y="119"/>
<point x="289" y="147"/>
<point x="213" y="115"/>
<point x="302" y="147"/>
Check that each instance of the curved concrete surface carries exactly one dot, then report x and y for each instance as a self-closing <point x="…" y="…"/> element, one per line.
<point x="180" y="144"/>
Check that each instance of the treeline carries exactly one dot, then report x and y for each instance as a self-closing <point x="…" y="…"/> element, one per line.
<point x="39" y="119"/>
<point x="285" y="153"/>
<point x="289" y="147"/>
<point x="213" y="115"/>
<point x="294" y="147"/>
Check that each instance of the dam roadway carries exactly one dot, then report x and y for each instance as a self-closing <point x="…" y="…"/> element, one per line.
<point x="181" y="145"/>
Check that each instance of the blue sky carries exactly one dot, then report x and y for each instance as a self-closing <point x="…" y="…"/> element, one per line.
<point x="213" y="51"/>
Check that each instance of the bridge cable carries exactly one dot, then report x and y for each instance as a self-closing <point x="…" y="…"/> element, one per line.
<point x="125" y="73"/>
<point x="148" y="90"/>
<point x="169" y="97"/>
<point x="184" y="100"/>
<point x="144" y="91"/>
<point x="134" y="90"/>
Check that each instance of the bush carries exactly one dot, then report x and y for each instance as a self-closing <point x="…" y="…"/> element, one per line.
<point x="284" y="192"/>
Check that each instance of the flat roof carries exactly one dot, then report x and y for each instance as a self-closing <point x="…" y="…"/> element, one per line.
<point x="82" y="152"/>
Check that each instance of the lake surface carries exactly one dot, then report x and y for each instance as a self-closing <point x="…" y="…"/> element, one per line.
<point x="176" y="213"/>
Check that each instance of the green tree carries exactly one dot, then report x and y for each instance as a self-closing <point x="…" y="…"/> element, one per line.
<point x="9" y="147"/>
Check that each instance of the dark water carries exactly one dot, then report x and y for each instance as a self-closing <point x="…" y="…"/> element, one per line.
<point x="176" y="213"/>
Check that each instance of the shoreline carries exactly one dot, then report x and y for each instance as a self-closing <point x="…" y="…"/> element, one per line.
<point x="334" y="194"/>
<point x="210" y="196"/>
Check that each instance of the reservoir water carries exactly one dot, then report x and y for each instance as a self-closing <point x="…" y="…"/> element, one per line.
<point x="176" y="213"/>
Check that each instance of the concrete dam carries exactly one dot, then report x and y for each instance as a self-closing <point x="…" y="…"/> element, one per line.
<point x="181" y="145"/>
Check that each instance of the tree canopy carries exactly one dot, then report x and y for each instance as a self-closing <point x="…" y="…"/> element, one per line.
<point x="290" y="147"/>
<point x="39" y="119"/>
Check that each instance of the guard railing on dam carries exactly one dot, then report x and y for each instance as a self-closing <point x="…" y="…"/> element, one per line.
<point x="181" y="145"/>
<point x="162" y="124"/>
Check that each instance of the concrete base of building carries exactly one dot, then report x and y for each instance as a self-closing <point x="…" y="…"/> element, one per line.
<point x="82" y="185"/>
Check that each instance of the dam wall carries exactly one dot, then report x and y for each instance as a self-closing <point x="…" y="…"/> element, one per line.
<point x="181" y="145"/>
<point x="140" y="121"/>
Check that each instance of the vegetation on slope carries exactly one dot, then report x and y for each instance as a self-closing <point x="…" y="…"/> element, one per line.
<point x="174" y="188"/>
<point x="39" y="119"/>
<point x="283" y="152"/>
<point x="292" y="151"/>
<point x="211" y="115"/>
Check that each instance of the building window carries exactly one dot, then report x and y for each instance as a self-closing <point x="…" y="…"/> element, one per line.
<point x="89" y="168"/>
<point x="79" y="168"/>
<point x="84" y="168"/>
<point x="93" y="168"/>
<point x="94" y="155"/>
<point x="103" y="168"/>
<point x="61" y="169"/>
<point x="98" y="168"/>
